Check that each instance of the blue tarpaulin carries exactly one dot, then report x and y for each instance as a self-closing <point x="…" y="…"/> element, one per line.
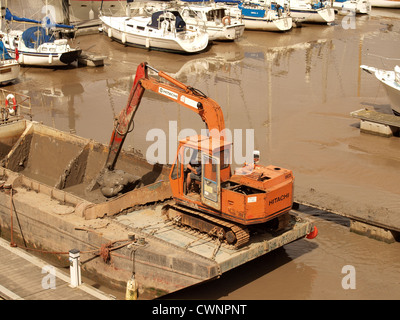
<point x="3" y="52"/>
<point x="179" y="24"/>
<point x="10" y="17"/>
<point x="318" y="5"/>
<point x="35" y="36"/>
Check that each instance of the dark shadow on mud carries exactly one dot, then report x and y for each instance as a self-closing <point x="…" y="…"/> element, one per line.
<point x="153" y="175"/>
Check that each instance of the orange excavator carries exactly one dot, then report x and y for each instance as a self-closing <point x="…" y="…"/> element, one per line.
<point x="225" y="206"/>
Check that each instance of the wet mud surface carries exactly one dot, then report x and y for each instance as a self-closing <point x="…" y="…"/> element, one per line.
<point x="296" y="90"/>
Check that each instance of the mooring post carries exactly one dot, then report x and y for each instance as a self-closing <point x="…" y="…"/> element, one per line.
<point x="75" y="268"/>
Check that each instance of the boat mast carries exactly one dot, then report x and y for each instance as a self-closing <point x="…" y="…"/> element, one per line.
<point x="65" y="10"/>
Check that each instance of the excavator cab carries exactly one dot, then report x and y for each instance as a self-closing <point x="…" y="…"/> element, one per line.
<point x="214" y="157"/>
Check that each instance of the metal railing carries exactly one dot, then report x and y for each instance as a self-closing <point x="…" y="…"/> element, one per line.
<point x="14" y="106"/>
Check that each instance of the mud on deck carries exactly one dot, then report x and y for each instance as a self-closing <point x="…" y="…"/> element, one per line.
<point x="64" y="161"/>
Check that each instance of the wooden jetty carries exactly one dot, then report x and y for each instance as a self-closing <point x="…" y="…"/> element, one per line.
<point x="26" y="277"/>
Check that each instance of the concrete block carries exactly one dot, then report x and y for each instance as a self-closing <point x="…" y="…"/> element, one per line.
<point x="378" y="128"/>
<point x="373" y="232"/>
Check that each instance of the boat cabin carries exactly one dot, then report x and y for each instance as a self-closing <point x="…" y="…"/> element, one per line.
<point x="170" y="20"/>
<point x="204" y="13"/>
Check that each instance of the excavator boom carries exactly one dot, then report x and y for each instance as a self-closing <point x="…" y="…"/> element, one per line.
<point x="125" y="119"/>
<point x="189" y="97"/>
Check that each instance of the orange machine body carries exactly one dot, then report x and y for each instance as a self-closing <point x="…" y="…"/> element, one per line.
<point x="262" y="194"/>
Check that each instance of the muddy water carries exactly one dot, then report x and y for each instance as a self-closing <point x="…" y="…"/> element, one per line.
<point x="312" y="269"/>
<point x="296" y="90"/>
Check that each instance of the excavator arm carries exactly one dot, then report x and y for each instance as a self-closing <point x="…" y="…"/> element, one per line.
<point x="189" y="97"/>
<point x="125" y="118"/>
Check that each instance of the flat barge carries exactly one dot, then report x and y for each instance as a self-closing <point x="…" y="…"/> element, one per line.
<point x="48" y="205"/>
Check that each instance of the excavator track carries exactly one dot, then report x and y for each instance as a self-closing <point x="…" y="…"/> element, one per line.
<point x="228" y="232"/>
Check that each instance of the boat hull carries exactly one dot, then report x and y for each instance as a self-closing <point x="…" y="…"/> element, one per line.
<point x="326" y="15"/>
<point x="9" y="71"/>
<point x="386" y="3"/>
<point x="361" y="7"/>
<point x="27" y="58"/>
<point x="229" y="33"/>
<point x="394" y="97"/>
<point x="281" y="24"/>
<point x="391" y="84"/>
<point x="70" y="56"/>
<point x="232" y="32"/>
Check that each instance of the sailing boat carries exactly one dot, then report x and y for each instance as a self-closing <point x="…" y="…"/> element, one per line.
<point x="164" y="30"/>
<point x="265" y="16"/>
<point x="216" y="21"/>
<point x="40" y="45"/>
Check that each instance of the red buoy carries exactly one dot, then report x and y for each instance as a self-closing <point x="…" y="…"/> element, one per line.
<point x="313" y="233"/>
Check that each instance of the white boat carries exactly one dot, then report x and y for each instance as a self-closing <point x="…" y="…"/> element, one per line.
<point x="38" y="46"/>
<point x="163" y="30"/>
<point x="391" y="83"/>
<point x="357" y="6"/>
<point x="312" y="11"/>
<point x="83" y="10"/>
<point x="9" y="67"/>
<point x="265" y="17"/>
<point x="216" y="21"/>
<point x="386" y="3"/>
